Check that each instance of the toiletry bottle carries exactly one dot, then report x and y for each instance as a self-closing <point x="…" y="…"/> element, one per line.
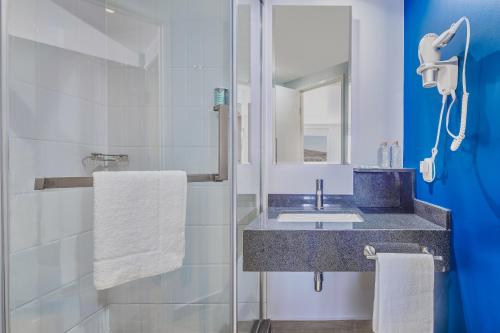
<point x="396" y="162"/>
<point x="383" y="156"/>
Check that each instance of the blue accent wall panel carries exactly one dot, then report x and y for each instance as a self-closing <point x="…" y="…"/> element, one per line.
<point x="468" y="181"/>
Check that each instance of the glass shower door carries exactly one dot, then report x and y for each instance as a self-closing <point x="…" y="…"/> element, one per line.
<point x="132" y="81"/>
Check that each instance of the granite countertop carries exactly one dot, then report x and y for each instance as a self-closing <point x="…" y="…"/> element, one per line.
<point x="269" y="245"/>
<point x="374" y="219"/>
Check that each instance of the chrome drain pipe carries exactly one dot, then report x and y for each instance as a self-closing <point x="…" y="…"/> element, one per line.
<point x="318" y="281"/>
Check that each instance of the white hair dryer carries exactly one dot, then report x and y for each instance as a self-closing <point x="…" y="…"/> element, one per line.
<point x="444" y="76"/>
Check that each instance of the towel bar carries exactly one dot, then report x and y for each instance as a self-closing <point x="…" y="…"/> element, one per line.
<point x="371" y="254"/>
<point x="221" y="175"/>
<point x="73" y="182"/>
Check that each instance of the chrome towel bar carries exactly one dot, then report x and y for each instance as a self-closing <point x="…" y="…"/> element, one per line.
<point x="221" y="175"/>
<point x="371" y="254"/>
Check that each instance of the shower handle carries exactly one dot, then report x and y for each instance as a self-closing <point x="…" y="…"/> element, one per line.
<point x="223" y="169"/>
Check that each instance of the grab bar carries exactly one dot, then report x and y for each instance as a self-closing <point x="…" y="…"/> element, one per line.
<point x="371" y="254"/>
<point x="221" y="175"/>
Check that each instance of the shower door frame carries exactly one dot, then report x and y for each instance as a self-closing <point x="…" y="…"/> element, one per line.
<point x="4" y="160"/>
<point x="233" y="153"/>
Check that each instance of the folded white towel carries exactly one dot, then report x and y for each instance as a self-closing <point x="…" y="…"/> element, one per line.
<point x="139" y="222"/>
<point x="404" y="293"/>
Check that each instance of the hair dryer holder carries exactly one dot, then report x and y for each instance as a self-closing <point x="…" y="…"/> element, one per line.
<point x="443" y="74"/>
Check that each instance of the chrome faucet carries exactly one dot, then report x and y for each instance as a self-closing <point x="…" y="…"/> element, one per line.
<point x="318" y="276"/>
<point x="319" y="194"/>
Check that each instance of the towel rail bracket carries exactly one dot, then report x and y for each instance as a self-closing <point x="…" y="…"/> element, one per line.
<point x="371" y="254"/>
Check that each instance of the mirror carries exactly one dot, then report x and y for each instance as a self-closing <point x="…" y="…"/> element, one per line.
<point x="311" y="84"/>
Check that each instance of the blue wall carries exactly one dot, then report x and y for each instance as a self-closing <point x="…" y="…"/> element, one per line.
<point x="468" y="181"/>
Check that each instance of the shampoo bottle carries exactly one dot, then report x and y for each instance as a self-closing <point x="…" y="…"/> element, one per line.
<point x="383" y="156"/>
<point x="396" y="162"/>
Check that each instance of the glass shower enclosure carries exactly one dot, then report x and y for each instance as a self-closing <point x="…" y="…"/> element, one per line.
<point x="114" y="85"/>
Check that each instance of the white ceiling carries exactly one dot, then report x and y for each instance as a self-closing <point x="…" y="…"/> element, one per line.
<point x="309" y="39"/>
<point x="125" y="26"/>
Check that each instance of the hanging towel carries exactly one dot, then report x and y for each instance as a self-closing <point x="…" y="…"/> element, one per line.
<point x="404" y="293"/>
<point x="139" y="220"/>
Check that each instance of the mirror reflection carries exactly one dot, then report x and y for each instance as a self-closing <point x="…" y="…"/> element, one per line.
<point x="243" y="75"/>
<point x="311" y="84"/>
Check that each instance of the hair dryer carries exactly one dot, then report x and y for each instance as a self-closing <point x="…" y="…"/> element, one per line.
<point x="444" y="75"/>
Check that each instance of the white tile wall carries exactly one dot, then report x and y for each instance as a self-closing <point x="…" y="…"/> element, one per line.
<point x="191" y="284"/>
<point x="179" y="318"/>
<point x="26" y="319"/>
<point x="65" y="105"/>
<point x="207" y="245"/>
<point x="57" y="117"/>
<point x="91" y="300"/>
<point x="97" y="323"/>
<point x="24" y="226"/>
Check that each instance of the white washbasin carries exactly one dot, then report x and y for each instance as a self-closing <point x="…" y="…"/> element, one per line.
<point x="330" y="217"/>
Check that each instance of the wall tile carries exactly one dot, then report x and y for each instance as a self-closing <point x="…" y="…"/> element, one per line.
<point x="216" y="43"/>
<point x="189" y="127"/>
<point x="50" y="216"/>
<point x="25" y="164"/>
<point x="23" y="118"/>
<point x="69" y="259"/>
<point x="147" y="290"/>
<point x="125" y="318"/>
<point x="91" y="300"/>
<point x="86" y="253"/>
<point x="24" y="277"/>
<point x="92" y="79"/>
<point x="58" y="69"/>
<point x="26" y="319"/>
<point x="197" y="284"/>
<point x="65" y="213"/>
<point x="179" y="318"/>
<point x="22" y="60"/>
<point x="154" y="318"/>
<point x="179" y="42"/>
<point x="97" y="323"/>
<point x="49" y="267"/>
<point x="60" y="310"/>
<point x="207" y="245"/>
<point x="208" y="205"/>
<point x="23" y="18"/>
<point x="24" y="222"/>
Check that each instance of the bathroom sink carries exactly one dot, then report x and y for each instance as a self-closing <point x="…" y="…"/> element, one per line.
<point x="325" y="217"/>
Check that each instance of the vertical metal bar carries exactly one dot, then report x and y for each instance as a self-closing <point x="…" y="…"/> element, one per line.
<point x="224" y="138"/>
<point x="230" y="132"/>
<point x="4" y="157"/>
<point x="263" y="153"/>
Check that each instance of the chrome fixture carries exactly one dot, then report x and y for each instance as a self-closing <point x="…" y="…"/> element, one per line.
<point x="107" y="157"/>
<point x="319" y="194"/>
<point x="318" y="281"/>
<point x="371" y="254"/>
<point x="105" y="162"/>
<point x="221" y="175"/>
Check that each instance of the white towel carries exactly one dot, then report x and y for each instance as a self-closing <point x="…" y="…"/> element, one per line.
<point x="404" y="293"/>
<point x="139" y="222"/>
